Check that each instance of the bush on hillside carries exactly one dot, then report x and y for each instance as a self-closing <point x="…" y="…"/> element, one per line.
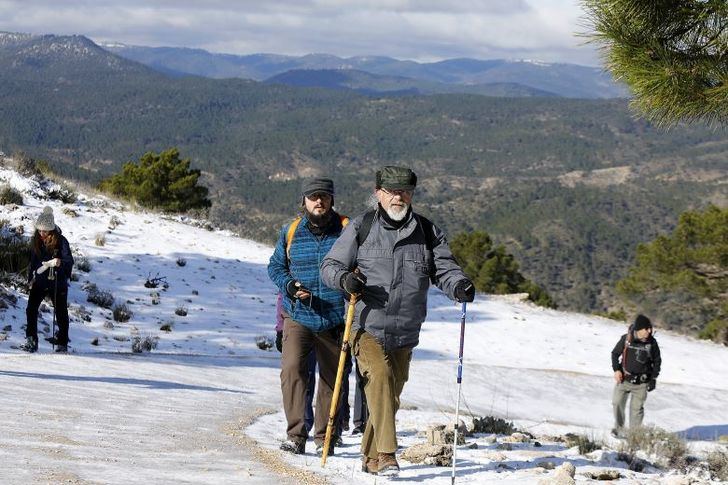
<point x="492" y="269"/>
<point x="26" y="166"/>
<point x="9" y="195"/>
<point x="145" y="343"/>
<point x="663" y="448"/>
<point x="121" y="313"/>
<point x="585" y="443"/>
<point x="14" y="250"/>
<point x="493" y="425"/>
<point x="102" y="298"/>
<point x="718" y="464"/>
<point x="160" y="181"/>
<point x="683" y="277"/>
<point x="64" y="193"/>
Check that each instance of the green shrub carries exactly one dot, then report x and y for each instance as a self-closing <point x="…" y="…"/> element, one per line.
<point x="121" y="313"/>
<point x="14" y="250"/>
<point x="102" y="298"/>
<point x="665" y="449"/>
<point x="64" y="193"/>
<point x="685" y="272"/>
<point x="491" y="424"/>
<point x="716" y="330"/>
<point x="618" y="315"/>
<point x="9" y="195"/>
<point x="26" y="166"/>
<point x="145" y="343"/>
<point x="718" y="465"/>
<point x="159" y="181"/>
<point x="585" y="444"/>
<point x="492" y="270"/>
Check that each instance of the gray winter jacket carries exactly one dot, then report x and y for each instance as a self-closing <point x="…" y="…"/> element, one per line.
<point x="398" y="267"/>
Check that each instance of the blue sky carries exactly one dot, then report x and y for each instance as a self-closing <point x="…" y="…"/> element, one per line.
<point x="422" y="30"/>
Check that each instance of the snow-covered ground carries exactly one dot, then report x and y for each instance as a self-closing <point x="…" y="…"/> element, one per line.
<point x="205" y="406"/>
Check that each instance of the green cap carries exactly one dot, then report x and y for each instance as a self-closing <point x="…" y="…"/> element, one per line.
<point x="396" y="178"/>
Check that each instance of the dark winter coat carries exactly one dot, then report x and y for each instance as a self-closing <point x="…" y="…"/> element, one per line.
<point x="325" y="309"/>
<point x="642" y="359"/>
<point x="398" y="265"/>
<point x="63" y="272"/>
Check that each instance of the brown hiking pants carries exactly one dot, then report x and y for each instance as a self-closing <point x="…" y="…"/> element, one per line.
<point x="384" y="375"/>
<point x="297" y="344"/>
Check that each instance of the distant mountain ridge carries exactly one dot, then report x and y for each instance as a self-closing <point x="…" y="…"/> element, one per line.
<point x="561" y="79"/>
<point x="375" y="84"/>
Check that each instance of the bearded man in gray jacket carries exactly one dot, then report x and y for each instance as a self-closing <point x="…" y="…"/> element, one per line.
<point x="388" y="257"/>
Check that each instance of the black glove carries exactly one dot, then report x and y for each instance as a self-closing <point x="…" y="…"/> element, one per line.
<point x="651" y="385"/>
<point x="279" y="340"/>
<point x="464" y="291"/>
<point x="294" y="286"/>
<point x="353" y="283"/>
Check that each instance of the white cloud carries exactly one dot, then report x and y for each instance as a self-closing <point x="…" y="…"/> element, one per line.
<point x="406" y="29"/>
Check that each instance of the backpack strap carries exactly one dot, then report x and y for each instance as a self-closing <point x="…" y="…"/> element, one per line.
<point x="289" y="235"/>
<point x="294" y="225"/>
<point x="366" y="226"/>
<point x="427" y="228"/>
<point x="627" y="342"/>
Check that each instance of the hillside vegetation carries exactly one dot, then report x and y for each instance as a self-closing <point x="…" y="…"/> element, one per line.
<point x="569" y="186"/>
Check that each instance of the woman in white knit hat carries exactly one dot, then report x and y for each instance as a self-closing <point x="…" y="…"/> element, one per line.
<point x="50" y="270"/>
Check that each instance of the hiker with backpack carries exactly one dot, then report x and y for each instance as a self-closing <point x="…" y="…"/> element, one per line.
<point x="49" y="272"/>
<point x="387" y="257"/>
<point x="313" y="314"/>
<point x="636" y="364"/>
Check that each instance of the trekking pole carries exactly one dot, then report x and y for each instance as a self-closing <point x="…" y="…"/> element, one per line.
<point x="339" y="377"/>
<point x="460" y="381"/>
<point x="52" y="272"/>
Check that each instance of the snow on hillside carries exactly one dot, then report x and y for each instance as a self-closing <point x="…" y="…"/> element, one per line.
<point x="205" y="407"/>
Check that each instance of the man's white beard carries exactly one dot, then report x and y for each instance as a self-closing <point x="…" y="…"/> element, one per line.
<point x="397" y="214"/>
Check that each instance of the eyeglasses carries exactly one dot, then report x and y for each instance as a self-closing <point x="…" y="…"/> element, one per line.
<point x="319" y="195"/>
<point x="401" y="192"/>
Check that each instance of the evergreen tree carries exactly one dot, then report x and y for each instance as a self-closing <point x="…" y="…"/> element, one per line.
<point x="673" y="54"/>
<point x="162" y="181"/>
<point x="492" y="269"/>
<point x="684" y="276"/>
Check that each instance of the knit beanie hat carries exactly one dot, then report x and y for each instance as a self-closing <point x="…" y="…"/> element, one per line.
<point x="642" y="322"/>
<point x="45" y="221"/>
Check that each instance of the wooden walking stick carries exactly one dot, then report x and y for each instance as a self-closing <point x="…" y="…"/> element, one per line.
<point x="339" y="377"/>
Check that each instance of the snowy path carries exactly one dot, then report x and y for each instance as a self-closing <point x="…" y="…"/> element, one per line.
<point x="129" y="419"/>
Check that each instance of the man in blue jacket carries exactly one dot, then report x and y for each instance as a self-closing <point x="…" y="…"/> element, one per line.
<point x="313" y="314"/>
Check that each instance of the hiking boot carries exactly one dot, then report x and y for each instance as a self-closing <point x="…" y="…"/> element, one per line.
<point x="357" y="430"/>
<point x="388" y="466"/>
<point x="320" y="448"/>
<point x="30" y="345"/>
<point x="61" y="349"/>
<point x="297" y="446"/>
<point x="54" y="340"/>
<point x="339" y="441"/>
<point x="369" y="465"/>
